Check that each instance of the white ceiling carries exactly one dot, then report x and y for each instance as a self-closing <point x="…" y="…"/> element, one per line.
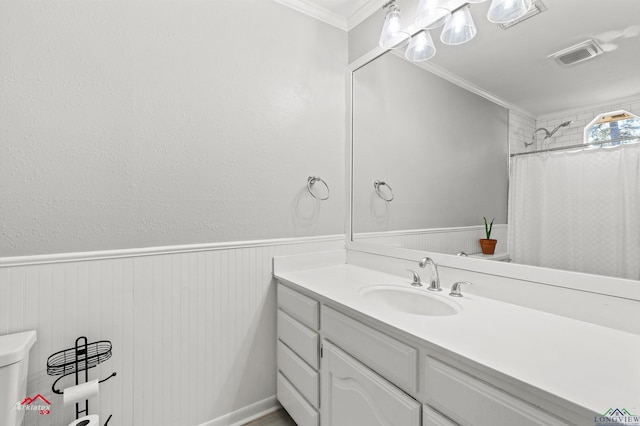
<point x="513" y="64"/>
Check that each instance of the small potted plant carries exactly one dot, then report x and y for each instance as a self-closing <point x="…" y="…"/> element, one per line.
<point x="488" y="245"/>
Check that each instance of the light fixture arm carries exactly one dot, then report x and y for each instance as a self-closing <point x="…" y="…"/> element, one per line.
<point x="388" y="4"/>
<point x="393" y="35"/>
<point x="460" y="7"/>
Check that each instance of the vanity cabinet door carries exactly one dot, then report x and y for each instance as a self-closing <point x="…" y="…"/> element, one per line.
<point x="353" y="395"/>
<point x="431" y="417"/>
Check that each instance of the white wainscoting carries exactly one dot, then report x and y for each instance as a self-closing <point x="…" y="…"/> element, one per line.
<point x="440" y="240"/>
<point x="193" y="328"/>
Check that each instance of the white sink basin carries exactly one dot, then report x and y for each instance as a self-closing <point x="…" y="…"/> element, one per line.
<point x="409" y="300"/>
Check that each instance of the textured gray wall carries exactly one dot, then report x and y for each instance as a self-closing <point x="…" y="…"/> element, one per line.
<point x="128" y="124"/>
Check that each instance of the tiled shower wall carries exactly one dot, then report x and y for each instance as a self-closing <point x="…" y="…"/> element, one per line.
<point x="574" y="134"/>
<point x="521" y="126"/>
<point x="193" y="333"/>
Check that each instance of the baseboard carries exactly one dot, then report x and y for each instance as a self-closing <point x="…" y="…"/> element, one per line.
<point x="246" y="414"/>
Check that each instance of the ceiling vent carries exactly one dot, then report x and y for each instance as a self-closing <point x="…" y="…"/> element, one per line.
<point x="578" y="53"/>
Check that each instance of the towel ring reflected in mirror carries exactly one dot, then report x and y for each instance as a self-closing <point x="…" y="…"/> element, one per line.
<point x="311" y="181"/>
<point x="377" y="184"/>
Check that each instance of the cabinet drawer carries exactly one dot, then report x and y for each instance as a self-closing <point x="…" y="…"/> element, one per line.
<point x="303" y="377"/>
<point x="299" y="306"/>
<point x="389" y="357"/>
<point x="302" y="340"/>
<point x="470" y="401"/>
<point x="431" y="417"/>
<point x="299" y="409"/>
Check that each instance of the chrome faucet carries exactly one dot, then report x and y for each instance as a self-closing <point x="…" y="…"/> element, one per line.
<point x="434" y="282"/>
<point x="416" y="278"/>
<point x="455" y="288"/>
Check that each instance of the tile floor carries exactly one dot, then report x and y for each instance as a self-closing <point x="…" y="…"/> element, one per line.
<point x="277" y="418"/>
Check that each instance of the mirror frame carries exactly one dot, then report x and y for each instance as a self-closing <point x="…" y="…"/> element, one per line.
<point x="599" y="284"/>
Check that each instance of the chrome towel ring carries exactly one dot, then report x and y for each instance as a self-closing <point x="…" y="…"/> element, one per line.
<point x="377" y="184"/>
<point x="311" y="181"/>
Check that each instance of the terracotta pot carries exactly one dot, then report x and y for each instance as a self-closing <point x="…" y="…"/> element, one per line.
<point x="488" y="246"/>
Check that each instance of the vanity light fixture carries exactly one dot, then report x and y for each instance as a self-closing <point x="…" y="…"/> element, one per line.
<point x="392" y="35"/>
<point x="503" y="11"/>
<point x="421" y="47"/>
<point x="460" y="28"/>
<point x="537" y="7"/>
<point x="455" y="15"/>
<point x="432" y="14"/>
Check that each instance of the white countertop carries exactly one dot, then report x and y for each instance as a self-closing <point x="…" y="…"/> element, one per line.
<point x="591" y="366"/>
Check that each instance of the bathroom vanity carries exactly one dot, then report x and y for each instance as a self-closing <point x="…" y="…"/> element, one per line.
<point x="363" y="347"/>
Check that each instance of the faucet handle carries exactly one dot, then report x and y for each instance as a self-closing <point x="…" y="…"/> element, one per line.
<point x="416" y="278"/>
<point x="455" y="288"/>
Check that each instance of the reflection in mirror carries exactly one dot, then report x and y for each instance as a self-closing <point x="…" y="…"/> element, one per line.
<point x="577" y="210"/>
<point x="443" y="148"/>
<point x="581" y="217"/>
<point x="446" y="150"/>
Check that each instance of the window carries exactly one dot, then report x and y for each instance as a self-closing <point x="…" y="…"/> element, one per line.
<point x="613" y="128"/>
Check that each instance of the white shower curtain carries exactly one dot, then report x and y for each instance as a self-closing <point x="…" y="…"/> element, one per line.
<point x="577" y="211"/>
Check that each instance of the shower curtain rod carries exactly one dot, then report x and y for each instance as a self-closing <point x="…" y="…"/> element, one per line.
<point x="582" y="145"/>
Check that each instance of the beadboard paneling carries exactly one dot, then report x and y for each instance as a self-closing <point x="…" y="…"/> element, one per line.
<point x="193" y="333"/>
<point x="444" y="240"/>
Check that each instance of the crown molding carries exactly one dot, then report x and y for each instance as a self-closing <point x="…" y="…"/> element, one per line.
<point x="359" y="16"/>
<point x="345" y="23"/>
<point x="311" y="9"/>
<point x="459" y="81"/>
<point x="633" y="99"/>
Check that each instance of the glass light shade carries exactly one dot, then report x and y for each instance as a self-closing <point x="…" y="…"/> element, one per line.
<point x="421" y="47"/>
<point x="431" y="14"/>
<point x="459" y="28"/>
<point x="503" y="11"/>
<point x="392" y="35"/>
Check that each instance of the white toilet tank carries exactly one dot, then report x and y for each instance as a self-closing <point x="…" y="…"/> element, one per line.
<point x="14" y="363"/>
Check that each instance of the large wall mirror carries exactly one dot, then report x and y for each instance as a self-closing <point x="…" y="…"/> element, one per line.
<point x="430" y="158"/>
